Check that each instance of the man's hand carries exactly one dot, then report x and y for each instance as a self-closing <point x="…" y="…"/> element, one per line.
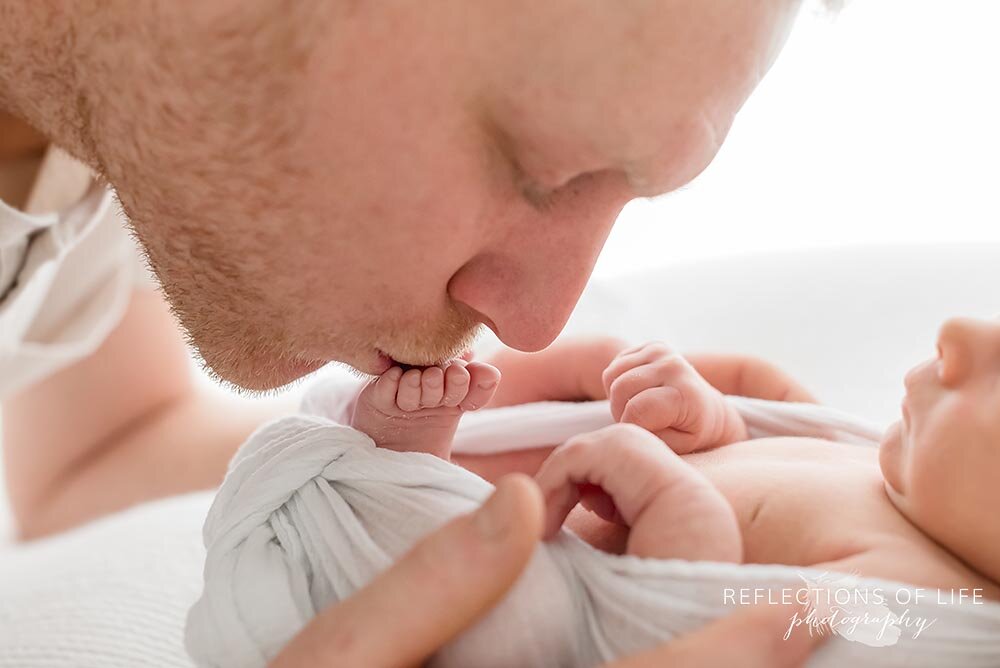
<point x="441" y="587"/>
<point x="655" y="388"/>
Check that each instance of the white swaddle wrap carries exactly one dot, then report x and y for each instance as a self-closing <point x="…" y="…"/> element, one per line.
<point x="311" y="511"/>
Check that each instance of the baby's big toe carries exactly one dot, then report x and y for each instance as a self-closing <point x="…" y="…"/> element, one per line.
<point x="383" y="392"/>
<point x="483" y="380"/>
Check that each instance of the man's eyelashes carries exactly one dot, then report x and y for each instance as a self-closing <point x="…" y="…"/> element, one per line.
<point x="541" y="199"/>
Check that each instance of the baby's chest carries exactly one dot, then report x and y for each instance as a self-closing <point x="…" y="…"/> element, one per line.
<point x="803" y="506"/>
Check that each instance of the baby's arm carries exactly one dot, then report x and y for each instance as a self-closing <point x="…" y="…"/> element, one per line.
<point x="571" y="370"/>
<point x="568" y="370"/>
<point x="625" y="475"/>
<point x="746" y="376"/>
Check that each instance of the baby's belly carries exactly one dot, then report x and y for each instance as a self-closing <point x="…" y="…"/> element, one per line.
<point x="802" y="501"/>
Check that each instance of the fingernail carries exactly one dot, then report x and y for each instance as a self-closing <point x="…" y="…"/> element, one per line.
<point x="494" y="519"/>
<point x="488" y="385"/>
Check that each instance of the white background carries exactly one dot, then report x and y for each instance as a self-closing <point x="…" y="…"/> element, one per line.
<point x="875" y="125"/>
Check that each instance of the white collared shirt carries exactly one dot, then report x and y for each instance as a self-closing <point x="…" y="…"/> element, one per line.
<point x="67" y="269"/>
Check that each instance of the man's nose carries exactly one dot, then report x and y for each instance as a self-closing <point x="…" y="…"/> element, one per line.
<point x="527" y="278"/>
<point x="966" y="346"/>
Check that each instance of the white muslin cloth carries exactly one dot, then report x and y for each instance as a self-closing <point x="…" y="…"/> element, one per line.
<point x="311" y="511"/>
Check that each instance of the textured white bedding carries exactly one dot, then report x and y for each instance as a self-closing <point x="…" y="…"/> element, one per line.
<point x="848" y="322"/>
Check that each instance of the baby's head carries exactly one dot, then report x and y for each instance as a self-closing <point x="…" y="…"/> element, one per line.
<point x="941" y="462"/>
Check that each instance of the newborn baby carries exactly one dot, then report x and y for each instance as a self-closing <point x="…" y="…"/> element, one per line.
<point x="680" y="503"/>
<point x="679" y="479"/>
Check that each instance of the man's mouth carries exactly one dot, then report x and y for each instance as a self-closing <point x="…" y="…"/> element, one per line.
<point x="385" y="361"/>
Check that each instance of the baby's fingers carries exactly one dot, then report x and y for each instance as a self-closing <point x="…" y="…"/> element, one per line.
<point x="655" y="409"/>
<point x="622" y="460"/>
<point x="666" y="412"/>
<point x="667" y="371"/>
<point x="630" y="359"/>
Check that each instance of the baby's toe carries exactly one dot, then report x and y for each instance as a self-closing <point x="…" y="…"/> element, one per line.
<point x="431" y="387"/>
<point x="456" y="384"/>
<point x="383" y="391"/>
<point x="408" y="395"/>
<point x="483" y="380"/>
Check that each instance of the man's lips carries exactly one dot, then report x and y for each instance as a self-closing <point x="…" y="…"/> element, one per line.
<point x="384" y="362"/>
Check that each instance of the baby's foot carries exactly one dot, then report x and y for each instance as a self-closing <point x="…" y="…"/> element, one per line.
<point x="418" y="410"/>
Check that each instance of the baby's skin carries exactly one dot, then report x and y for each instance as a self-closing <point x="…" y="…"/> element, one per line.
<point x="418" y="410"/>
<point x="677" y="477"/>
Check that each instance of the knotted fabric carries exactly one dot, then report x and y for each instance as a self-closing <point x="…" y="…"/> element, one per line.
<point x="311" y="511"/>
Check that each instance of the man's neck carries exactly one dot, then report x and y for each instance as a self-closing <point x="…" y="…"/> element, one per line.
<point x="18" y="139"/>
<point x="21" y="152"/>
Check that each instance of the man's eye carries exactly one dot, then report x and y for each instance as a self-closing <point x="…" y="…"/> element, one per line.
<point x="543" y="198"/>
<point x="534" y="193"/>
<point x="539" y="198"/>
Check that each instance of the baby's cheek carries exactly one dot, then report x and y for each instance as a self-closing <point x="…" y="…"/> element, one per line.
<point x="937" y="477"/>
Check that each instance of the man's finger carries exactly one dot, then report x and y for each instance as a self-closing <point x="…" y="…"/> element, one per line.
<point x="751" y="639"/>
<point x="443" y="585"/>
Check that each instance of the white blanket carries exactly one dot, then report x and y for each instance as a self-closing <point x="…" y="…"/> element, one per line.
<point x="311" y="511"/>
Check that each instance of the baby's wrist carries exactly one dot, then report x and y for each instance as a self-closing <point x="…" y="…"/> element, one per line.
<point x="590" y="371"/>
<point x="737" y="430"/>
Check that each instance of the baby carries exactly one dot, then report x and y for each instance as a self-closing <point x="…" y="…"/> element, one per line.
<point x="678" y="477"/>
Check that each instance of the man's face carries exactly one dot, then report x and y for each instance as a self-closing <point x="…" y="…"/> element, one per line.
<point x="371" y="182"/>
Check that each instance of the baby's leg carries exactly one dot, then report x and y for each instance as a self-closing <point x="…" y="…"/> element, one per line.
<point x="418" y="410"/>
<point x="624" y="474"/>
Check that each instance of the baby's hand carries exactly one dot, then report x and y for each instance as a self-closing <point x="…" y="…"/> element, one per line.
<point x="657" y="389"/>
<point x="625" y="475"/>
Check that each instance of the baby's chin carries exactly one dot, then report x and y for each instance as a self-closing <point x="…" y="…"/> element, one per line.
<point x="890" y="459"/>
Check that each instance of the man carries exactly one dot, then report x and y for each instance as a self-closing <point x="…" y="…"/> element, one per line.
<point x="349" y="181"/>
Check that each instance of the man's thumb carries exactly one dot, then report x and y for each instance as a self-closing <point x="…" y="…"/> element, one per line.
<point x="439" y="588"/>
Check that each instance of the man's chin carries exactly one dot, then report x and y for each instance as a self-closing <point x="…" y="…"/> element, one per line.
<point x="261" y="376"/>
